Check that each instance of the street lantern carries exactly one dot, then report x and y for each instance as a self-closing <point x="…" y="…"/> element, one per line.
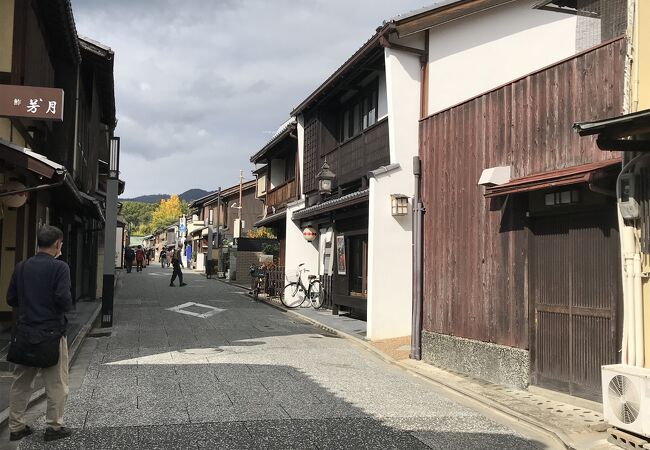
<point x="325" y="178"/>
<point x="399" y="204"/>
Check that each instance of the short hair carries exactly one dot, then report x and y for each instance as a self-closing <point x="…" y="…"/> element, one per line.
<point x="48" y="235"/>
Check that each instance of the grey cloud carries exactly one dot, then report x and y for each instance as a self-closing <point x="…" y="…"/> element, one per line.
<point x="202" y="81"/>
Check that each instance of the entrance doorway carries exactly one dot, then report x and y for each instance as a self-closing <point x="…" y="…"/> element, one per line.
<point x="574" y="294"/>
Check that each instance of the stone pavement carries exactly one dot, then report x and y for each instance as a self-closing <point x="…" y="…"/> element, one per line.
<point x="238" y="374"/>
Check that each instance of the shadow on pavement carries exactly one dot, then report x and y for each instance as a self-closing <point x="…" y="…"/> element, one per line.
<point x="250" y="377"/>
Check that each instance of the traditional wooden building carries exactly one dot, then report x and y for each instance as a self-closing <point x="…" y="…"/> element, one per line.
<point x="521" y="272"/>
<point x="223" y="210"/>
<point x="278" y="181"/>
<point x="58" y="165"/>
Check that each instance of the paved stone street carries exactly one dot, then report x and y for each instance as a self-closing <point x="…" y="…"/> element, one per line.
<point x="240" y="374"/>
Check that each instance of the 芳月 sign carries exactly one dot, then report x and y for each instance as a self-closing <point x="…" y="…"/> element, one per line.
<point x="30" y="101"/>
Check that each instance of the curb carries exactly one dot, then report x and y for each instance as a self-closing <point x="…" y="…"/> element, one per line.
<point x="73" y="350"/>
<point x="557" y="436"/>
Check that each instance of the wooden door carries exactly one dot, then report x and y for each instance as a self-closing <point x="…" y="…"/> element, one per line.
<point x="574" y="293"/>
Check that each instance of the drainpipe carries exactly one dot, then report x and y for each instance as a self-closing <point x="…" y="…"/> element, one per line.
<point x="76" y="123"/>
<point x="418" y="215"/>
<point x="632" y="349"/>
<point x="638" y="312"/>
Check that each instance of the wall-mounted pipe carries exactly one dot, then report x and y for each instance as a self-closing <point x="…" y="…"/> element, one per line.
<point x="417" y="246"/>
<point x="638" y="313"/>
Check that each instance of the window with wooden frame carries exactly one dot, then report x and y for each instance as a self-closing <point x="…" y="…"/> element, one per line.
<point x="360" y="112"/>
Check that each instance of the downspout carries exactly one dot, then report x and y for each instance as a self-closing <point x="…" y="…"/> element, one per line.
<point x="76" y="123"/>
<point x="424" y="78"/>
<point x="632" y="346"/>
<point x="418" y="215"/>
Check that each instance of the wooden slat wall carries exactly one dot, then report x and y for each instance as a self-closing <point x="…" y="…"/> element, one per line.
<point x="475" y="249"/>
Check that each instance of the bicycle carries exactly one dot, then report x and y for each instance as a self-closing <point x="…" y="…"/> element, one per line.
<point x="295" y="294"/>
<point x="259" y="274"/>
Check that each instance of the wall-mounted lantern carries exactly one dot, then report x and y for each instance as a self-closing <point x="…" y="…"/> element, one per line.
<point x="309" y="233"/>
<point x="399" y="205"/>
<point x="325" y="178"/>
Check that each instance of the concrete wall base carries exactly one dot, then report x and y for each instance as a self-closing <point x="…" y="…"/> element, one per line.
<point x="499" y="364"/>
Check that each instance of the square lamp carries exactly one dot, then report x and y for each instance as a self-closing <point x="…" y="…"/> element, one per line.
<point x="399" y="205"/>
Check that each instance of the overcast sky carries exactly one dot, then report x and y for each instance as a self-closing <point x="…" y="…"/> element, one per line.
<point x="202" y="84"/>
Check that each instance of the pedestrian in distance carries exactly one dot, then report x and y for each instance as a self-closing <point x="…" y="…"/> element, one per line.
<point x="39" y="292"/>
<point x="177" y="264"/>
<point x="129" y="256"/>
<point x="139" y="258"/>
<point x="163" y="258"/>
<point x="188" y="255"/>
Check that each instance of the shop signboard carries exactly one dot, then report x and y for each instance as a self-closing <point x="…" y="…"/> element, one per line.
<point x="340" y="255"/>
<point x="33" y="102"/>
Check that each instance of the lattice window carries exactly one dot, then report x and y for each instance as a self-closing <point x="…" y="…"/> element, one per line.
<point x="599" y="21"/>
<point x="311" y="159"/>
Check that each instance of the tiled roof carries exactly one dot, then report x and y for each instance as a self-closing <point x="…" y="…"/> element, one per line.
<point x="331" y="205"/>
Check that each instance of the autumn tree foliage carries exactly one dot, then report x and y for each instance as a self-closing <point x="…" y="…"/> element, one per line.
<point x="260" y="233"/>
<point x="167" y="213"/>
<point x="147" y="218"/>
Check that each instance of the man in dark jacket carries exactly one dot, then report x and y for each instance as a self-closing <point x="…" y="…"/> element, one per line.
<point x="129" y="256"/>
<point x="176" y="264"/>
<point x="40" y="293"/>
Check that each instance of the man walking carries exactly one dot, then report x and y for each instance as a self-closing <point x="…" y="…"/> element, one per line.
<point x="40" y="294"/>
<point x="129" y="256"/>
<point x="176" y="264"/>
<point x="188" y="256"/>
<point x="163" y="258"/>
<point x="139" y="258"/>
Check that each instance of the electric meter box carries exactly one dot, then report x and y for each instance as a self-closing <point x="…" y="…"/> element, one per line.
<point x="627" y="203"/>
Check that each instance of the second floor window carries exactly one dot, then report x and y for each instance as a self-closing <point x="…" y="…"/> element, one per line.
<point x="360" y="112"/>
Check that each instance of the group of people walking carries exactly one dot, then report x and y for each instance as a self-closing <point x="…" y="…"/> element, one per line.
<point x="173" y="258"/>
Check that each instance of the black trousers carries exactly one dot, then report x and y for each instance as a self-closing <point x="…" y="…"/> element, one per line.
<point x="177" y="273"/>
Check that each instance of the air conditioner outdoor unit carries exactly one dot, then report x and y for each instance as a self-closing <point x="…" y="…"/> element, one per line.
<point x="626" y="398"/>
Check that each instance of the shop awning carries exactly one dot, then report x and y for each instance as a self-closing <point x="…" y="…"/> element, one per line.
<point x="544" y="180"/>
<point x="34" y="162"/>
<point x="331" y="205"/>
<point x="613" y="133"/>
<point x="273" y="218"/>
<point x="94" y="205"/>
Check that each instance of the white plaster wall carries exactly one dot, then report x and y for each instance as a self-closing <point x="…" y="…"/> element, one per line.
<point x="472" y="55"/>
<point x="298" y="250"/>
<point x="390" y="238"/>
<point x="382" y="103"/>
<point x="277" y="173"/>
<point x="300" y="132"/>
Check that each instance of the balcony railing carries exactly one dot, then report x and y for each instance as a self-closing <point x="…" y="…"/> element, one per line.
<point x="279" y="196"/>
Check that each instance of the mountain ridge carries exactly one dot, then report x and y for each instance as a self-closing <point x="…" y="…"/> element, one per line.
<point x="188" y="196"/>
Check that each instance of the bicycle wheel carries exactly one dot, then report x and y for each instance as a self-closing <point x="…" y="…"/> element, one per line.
<point x="315" y="294"/>
<point x="292" y="295"/>
<point x="256" y="293"/>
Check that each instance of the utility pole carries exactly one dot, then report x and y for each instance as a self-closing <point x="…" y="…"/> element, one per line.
<point x="110" y="231"/>
<point x="219" y="251"/>
<point x="241" y="183"/>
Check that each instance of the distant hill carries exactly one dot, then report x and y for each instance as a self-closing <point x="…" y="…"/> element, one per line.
<point x="188" y="196"/>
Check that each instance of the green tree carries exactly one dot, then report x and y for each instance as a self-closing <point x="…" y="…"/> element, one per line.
<point x="137" y="214"/>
